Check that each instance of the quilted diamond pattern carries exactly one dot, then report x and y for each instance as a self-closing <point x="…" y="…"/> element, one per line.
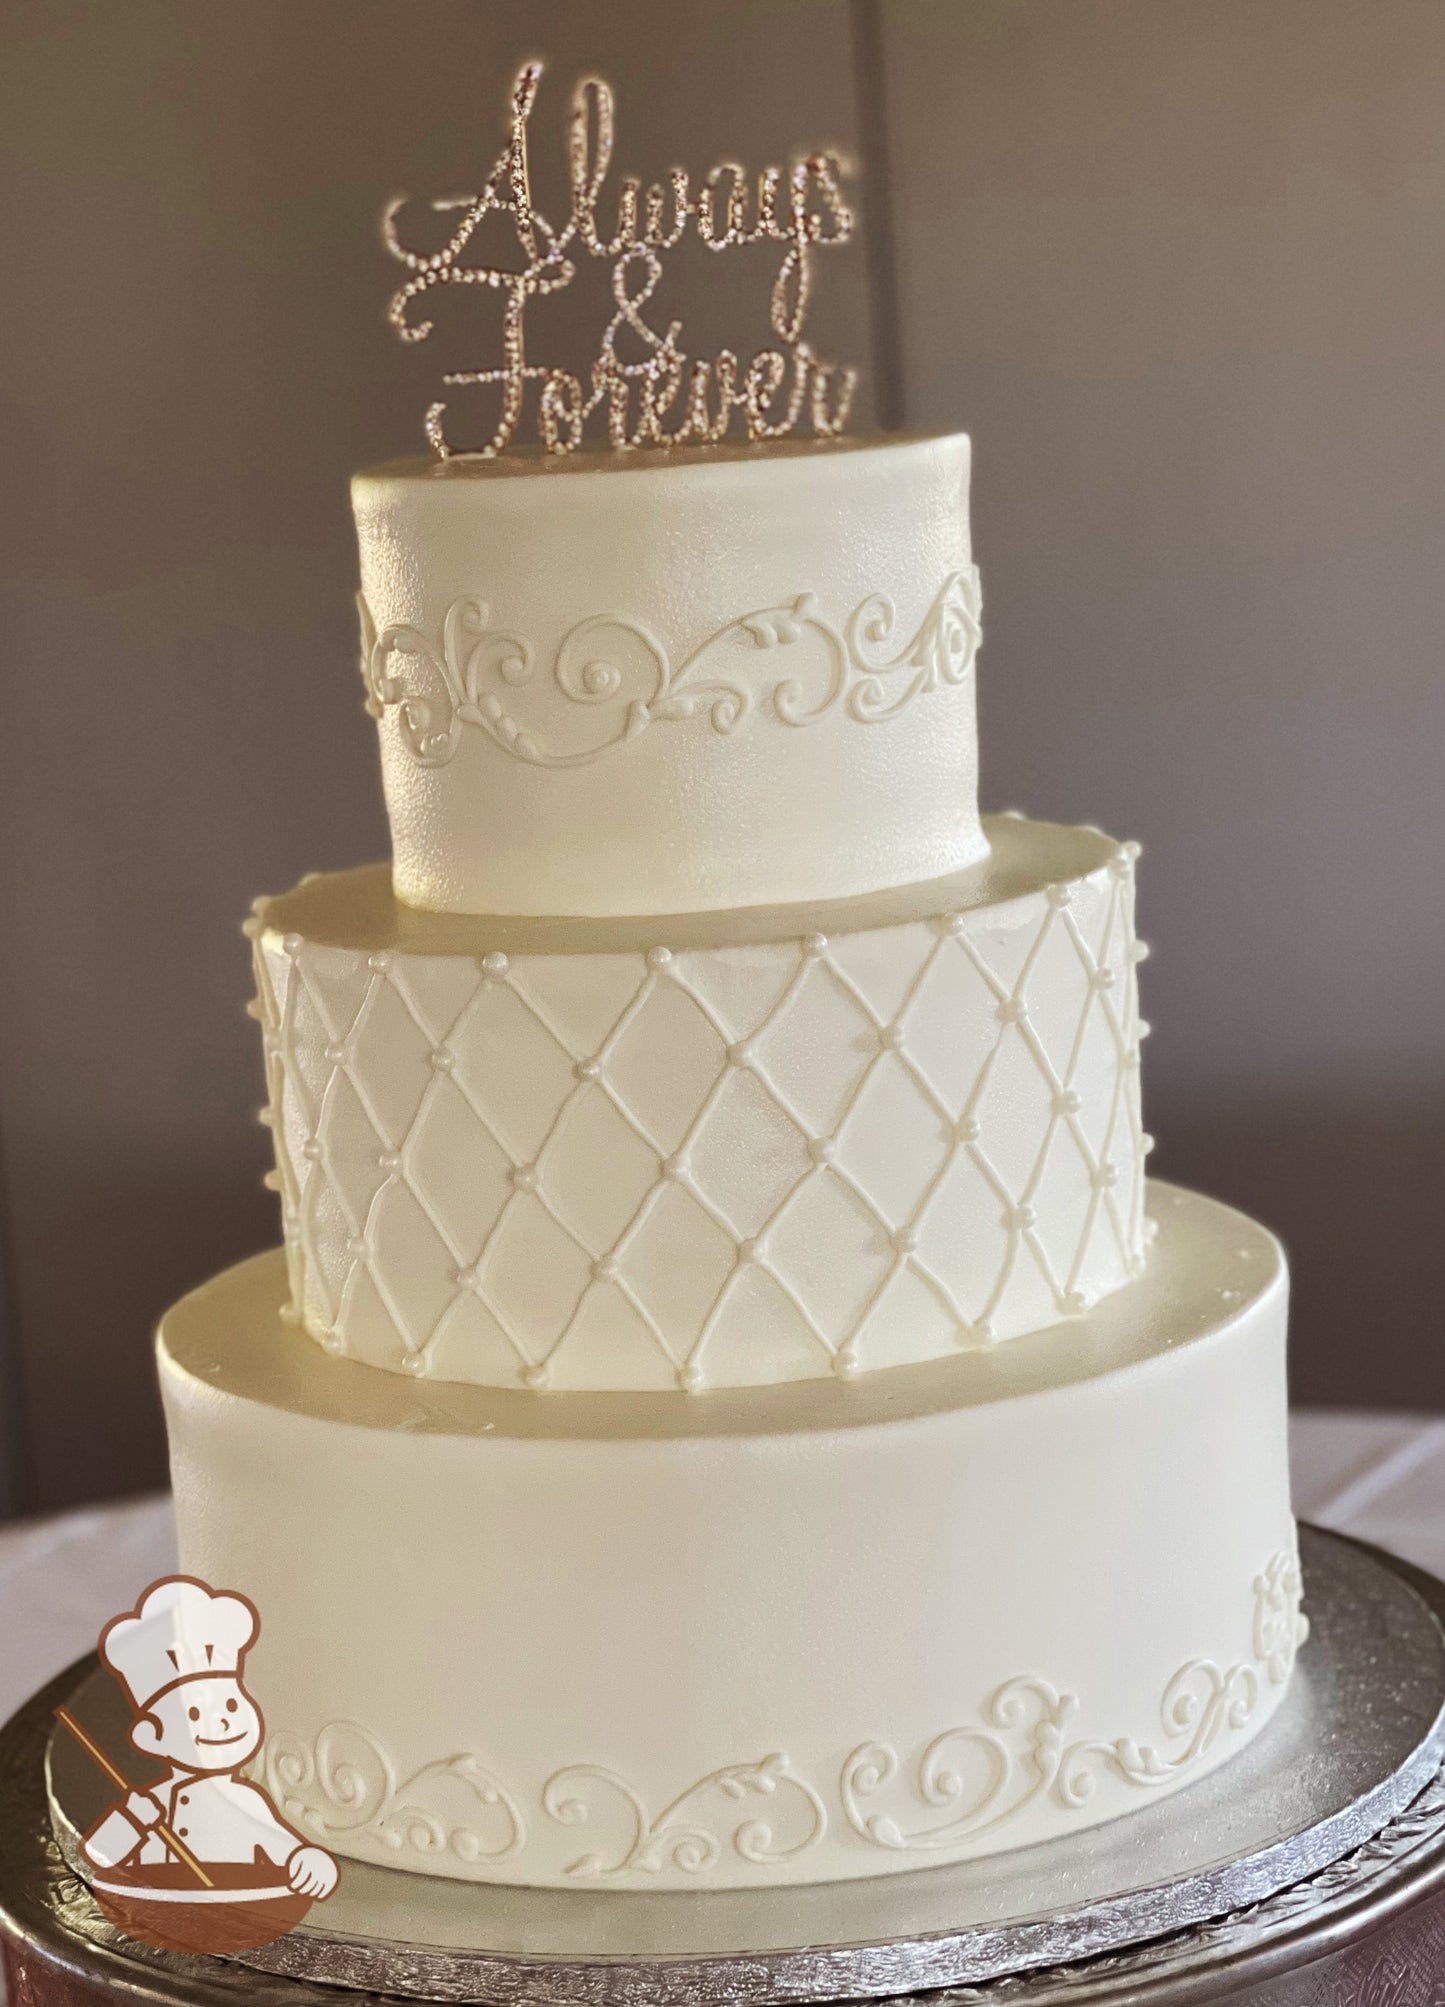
<point x="717" y="1166"/>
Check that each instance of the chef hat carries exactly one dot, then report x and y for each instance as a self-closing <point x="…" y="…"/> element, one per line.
<point x="178" y="1630"/>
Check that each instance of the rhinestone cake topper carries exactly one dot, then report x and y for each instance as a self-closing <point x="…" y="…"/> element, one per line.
<point x="663" y="397"/>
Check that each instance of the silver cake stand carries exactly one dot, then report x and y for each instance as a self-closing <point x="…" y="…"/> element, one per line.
<point x="1311" y="1868"/>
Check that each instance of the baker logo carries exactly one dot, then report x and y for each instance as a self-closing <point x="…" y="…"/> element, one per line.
<point x="200" y="1860"/>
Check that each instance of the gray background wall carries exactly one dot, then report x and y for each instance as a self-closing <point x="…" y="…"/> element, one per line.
<point x="1179" y="268"/>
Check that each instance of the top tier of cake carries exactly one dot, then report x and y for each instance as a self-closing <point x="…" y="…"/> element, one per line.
<point x="673" y="683"/>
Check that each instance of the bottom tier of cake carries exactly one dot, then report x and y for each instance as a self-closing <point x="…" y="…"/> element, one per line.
<point x="788" y="1634"/>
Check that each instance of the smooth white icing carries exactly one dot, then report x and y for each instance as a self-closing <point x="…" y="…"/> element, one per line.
<point x="770" y="1093"/>
<point x="675" y="682"/>
<point x="720" y="1150"/>
<point x="808" y="1633"/>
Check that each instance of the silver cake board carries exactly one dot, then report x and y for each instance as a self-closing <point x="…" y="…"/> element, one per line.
<point x="1331" y="1821"/>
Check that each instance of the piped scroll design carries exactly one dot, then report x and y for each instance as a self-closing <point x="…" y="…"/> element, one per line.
<point x="969" y="1781"/>
<point x="980" y="1777"/>
<point x="682" y="1837"/>
<point x="345" y="1784"/>
<point x="615" y="669"/>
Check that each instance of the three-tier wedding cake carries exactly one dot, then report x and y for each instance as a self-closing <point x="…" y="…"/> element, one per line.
<point x="730" y="1409"/>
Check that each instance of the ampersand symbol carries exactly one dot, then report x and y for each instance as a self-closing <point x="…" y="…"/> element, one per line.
<point x="629" y="305"/>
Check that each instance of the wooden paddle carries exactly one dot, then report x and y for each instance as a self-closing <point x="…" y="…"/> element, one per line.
<point x="63" y="1714"/>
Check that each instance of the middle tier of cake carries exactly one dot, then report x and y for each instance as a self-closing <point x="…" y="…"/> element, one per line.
<point x="715" y="1150"/>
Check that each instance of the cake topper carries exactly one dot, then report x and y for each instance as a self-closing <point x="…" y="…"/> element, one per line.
<point x="663" y="398"/>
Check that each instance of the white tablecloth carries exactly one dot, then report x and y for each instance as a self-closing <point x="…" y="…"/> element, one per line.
<point x="1381" y="1477"/>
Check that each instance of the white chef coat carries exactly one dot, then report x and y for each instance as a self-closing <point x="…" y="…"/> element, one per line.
<point x="218" y="1818"/>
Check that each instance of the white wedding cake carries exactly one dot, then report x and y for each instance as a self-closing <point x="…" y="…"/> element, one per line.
<point x="729" y="1409"/>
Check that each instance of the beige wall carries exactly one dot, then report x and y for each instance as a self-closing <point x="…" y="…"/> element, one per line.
<point x="1176" y="264"/>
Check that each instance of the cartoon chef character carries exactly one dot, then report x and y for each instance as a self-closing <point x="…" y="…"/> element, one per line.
<point x="178" y="1655"/>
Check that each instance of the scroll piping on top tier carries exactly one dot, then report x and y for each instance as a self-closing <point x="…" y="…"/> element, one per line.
<point x="694" y="681"/>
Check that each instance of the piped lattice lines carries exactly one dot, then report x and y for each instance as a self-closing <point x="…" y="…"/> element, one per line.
<point x="1113" y="1163"/>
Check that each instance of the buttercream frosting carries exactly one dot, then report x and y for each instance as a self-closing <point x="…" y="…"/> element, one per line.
<point x="716" y="1150"/>
<point x="677" y="682"/>
<point x="797" y="1633"/>
<point x="727" y="1409"/>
